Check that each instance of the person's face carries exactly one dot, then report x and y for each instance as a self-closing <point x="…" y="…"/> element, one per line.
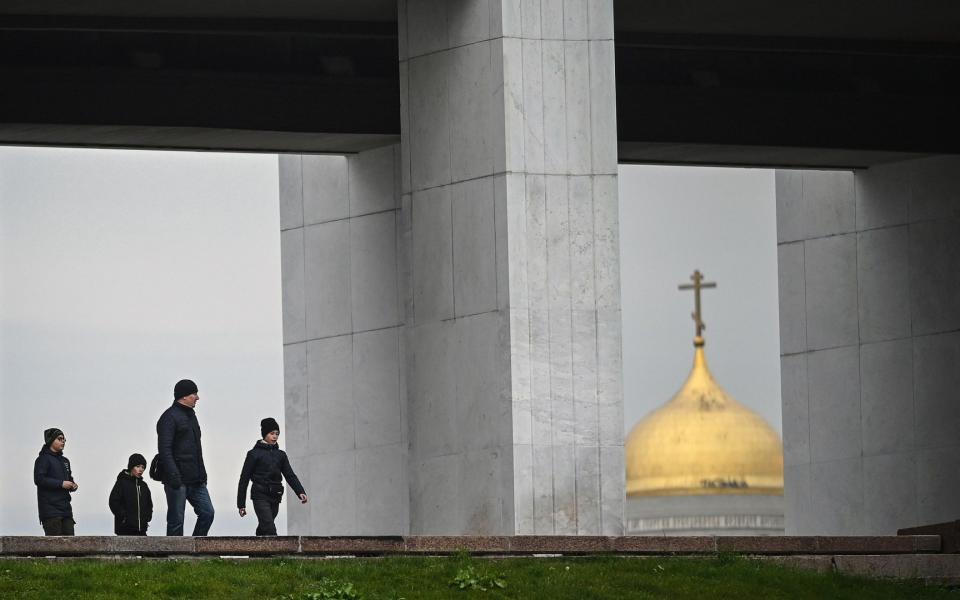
<point x="58" y="443"/>
<point x="190" y="401"/>
<point x="137" y="471"/>
<point x="272" y="437"/>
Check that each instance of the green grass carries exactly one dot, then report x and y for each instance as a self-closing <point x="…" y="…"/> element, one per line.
<point x="416" y="577"/>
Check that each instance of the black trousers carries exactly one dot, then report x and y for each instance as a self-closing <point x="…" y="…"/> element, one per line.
<point x="58" y="526"/>
<point x="266" y="509"/>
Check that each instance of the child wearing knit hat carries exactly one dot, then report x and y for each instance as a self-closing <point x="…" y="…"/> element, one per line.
<point x="130" y="500"/>
<point x="265" y="464"/>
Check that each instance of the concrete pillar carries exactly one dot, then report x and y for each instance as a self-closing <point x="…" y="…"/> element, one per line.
<point x="869" y="346"/>
<point x="511" y="263"/>
<point x="343" y="345"/>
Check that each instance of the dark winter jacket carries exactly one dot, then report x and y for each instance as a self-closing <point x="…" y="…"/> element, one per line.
<point x="50" y="470"/>
<point x="131" y="505"/>
<point x="178" y="443"/>
<point x="264" y="465"/>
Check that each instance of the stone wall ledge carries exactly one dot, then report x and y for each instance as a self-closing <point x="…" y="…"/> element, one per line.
<point x="440" y="545"/>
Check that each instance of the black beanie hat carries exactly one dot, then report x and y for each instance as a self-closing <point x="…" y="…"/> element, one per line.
<point x="267" y="425"/>
<point x="184" y="388"/>
<point x="51" y="434"/>
<point x="136" y="459"/>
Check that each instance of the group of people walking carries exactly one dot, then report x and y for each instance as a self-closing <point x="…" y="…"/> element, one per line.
<point x="178" y="464"/>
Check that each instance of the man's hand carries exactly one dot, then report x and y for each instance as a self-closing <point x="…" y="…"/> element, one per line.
<point x="69" y="486"/>
<point x="303" y="498"/>
<point x="243" y="512"/>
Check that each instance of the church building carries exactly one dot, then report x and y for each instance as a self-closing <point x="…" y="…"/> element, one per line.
<point x="703" y="464"/>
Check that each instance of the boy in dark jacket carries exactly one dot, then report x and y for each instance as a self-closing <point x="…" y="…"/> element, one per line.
<point x="54" y="480"/>
<point x="130" y="500"/>
<point x="265" y="463"/>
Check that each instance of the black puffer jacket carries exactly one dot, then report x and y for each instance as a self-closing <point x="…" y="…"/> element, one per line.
<point x="265" y="463"/>
<point x="131" y="505"/>
<point x="178" y="443"/>
<point x="50" y="470"/>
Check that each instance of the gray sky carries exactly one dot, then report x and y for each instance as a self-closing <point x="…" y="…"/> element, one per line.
<point x="124" y="271"/>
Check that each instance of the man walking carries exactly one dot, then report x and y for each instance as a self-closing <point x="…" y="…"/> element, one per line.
<point x="54" y="480"/>
<point x="181" y="457"/>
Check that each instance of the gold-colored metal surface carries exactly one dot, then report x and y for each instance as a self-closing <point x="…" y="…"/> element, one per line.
<point x="703" y="441"/>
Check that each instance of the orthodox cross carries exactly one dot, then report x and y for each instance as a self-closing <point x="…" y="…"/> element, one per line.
<point x="697" y="285"/>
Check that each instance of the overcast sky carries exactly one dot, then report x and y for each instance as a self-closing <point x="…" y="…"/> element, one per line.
<point x="124" y="271"/>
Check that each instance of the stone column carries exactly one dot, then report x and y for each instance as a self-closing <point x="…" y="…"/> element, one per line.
<point x="869" y="344"/>
<point x="345" y="427"/>
<point x="511" y="266"/>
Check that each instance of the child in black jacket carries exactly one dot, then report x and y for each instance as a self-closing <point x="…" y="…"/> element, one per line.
<point x="130" y="500"/>
<point x="265" y="463"/>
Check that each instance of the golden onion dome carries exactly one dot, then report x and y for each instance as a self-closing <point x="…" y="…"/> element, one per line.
<point x="703" y="442"/>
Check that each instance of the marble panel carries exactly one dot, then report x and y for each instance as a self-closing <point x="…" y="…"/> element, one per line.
<point x="793" y="302"/>
<point x="298" y="515"/>
<point x="582" y="255"/>
<point x="520" y="382"/>
<point x="938" y="486"/>
<point x="373" y="271"/>
<point x="295" y="399"/>
<point x="612" y="490"/>
<point x="510" y="217"/>
<point x="509" y="115"/>
<point x="483" y="501"/>
<point x="506" y="18"/>
<point x="429" y="120"/>
<point x="554" y="104"/>
<point x="333" y="504"/>
<point x="585" y="356"/>
<point x="561" y="377"/>
<point x="468" y="21"/>
<point x="601" y="19"/>
<point x="543" y="489"/>
<point x="330" y="380"/>
<point x="609" y="358"/>
<point x="603" y="105"/>
<point x="324" y="188"/>
<point x="472" y="130"/>
<point x="292" y="286"/>
<point x="405" y="258"/>
<point x="291" y="191"/>
<point x="884" y="283"/>
<point x="935" y="186"/>
<point x="474" y="247"/>
<point x="565" y="490"/>
<point x="327" y="281"/>
<point x="523" y="489"/>
<point x="833" y="378"/>
<point x="836" y="497"/>
<point x="376" y="393"/>
<point x="936" y="381"/>
<point x="576" y="64"/>
<point x="435" y="496"/>
<point x="432" y="251"/>
<point x="551" y="19"/>
<point x="830" y="265"/>
<point x="432" y="389"/>
<point x="536" y="242"/>
<point x="796" y="409"/>
<point x="883" y="195"/>
<point x="426" y="26"/>
<point x="829" y="203"/>
<point x="533" y="125"/>
<point x="588" y="490"/>
<point x="405" y="181"/>
<point x="575" y="19"/>
<point x="382" y="495"/>
<point x="934" y="286"/>
<point x="790" y="206"/>
<point x="798" y="513"/>
<point x="558" y="243"/>
<point x="482" y="371"/>
<point x="606" y="232"/>
<point x="541" y="402"/>
<point x="889" y="493"/>
<point x="372" y="181"/>
<point x="886" y="396"/>
<point x="610" y="424"/>
<point x="530" y="16"/>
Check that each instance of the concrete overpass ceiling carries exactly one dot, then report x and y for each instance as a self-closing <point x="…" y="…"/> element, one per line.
<point x="326" y="10"/>
<point x="930" y="21"/>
